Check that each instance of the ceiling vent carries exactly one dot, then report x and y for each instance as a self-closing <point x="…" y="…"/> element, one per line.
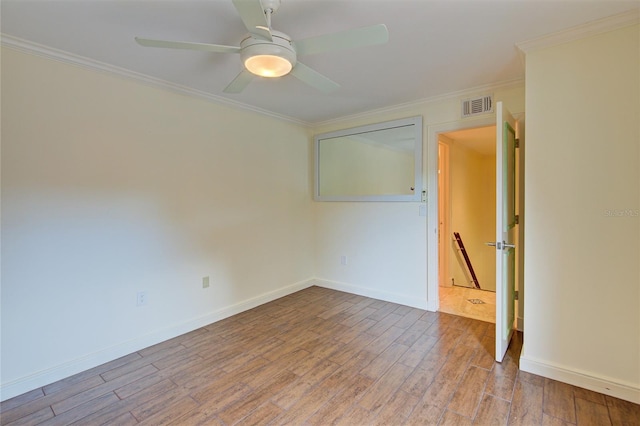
<point x="475" y="106"/>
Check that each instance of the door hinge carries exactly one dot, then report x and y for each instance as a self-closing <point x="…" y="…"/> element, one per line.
<point x="515" y="295"/>
<point x="517" y="143"/>
<point x="517" y="219"/>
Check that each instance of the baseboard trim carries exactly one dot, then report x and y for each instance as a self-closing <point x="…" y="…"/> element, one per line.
<point x="374" y="294"/>
<point x="520" y="324"/>
<point x="604" y="385"/>
<point x="51" y="375"/>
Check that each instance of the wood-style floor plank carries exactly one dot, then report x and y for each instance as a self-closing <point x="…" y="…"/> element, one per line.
<point x="492" y="411"/>
<point x="548" y="420"/>
<point x="503" y="378"/>
<point x="337" y="406"/>
<point x="526" y="405"/>
<point x="83" y="410"/>
<point x="34" y="418"/>
<point x="107" y="387"/>
<point x="559" y="401"/>
<point x="621" y="412"/>
<point x="19" y="411"/>
<point x="320" y="357"/>
<point x="380" y="392"/>
<point x="89" y="375"/>
<point x="589" y="413"/>
<point x="453" y="419"/>
<point x="262" y="415"/>
<point x="243" y="407"/>
<point x="22" y="399"/>
<point x="467" y="397"/>
<point x="397" y="409"/>
<point x="120" y="408"/>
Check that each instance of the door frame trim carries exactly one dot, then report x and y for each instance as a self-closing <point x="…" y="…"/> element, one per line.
<point x="431" y="161"/>
<point x="444" y="202"/>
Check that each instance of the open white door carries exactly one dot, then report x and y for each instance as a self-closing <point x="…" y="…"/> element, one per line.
<point x="505" y="228"/>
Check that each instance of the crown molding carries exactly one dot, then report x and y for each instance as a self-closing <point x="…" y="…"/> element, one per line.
<point x="26" y="46"/>
<point x="614" y="22"/>
<point x="460" y="94"/>
<point x="625" y="19"/>
<point x="29" y="47"/>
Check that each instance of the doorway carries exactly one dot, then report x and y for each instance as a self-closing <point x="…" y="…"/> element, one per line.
<point x="466" y="221"/>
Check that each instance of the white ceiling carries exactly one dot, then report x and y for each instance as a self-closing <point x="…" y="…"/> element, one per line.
<point x="436" y="46"/>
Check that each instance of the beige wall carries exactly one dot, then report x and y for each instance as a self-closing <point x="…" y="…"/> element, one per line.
<point x="582" y="180"/>
<point x="473" y="215"/>
<point x="110" y="187"/>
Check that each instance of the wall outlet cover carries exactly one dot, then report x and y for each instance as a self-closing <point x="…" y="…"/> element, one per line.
<point x="141" y="298"/>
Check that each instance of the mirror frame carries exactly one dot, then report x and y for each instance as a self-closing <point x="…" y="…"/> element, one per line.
<point x="417" y="193"/>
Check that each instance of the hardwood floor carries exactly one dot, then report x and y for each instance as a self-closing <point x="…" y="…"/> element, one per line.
<point x="320" y="357"/>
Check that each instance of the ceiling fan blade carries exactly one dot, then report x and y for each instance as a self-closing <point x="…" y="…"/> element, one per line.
<point x="187" y="45"/>
<point x="240" y="82"/>
<point x="366" y="36"/>
<point x="313" y="78"/>
<point x="254" y="18"/>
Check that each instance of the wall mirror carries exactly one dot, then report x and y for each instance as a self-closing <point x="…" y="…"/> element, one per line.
<point x="378" y="162"/>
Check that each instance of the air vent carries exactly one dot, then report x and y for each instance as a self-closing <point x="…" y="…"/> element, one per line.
<point x="475" y="106"/>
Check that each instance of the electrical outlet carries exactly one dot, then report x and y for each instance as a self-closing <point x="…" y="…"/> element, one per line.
<point x="343" y="260"/>
<point x="141" y="298"/>
<point x="205" y="282"/>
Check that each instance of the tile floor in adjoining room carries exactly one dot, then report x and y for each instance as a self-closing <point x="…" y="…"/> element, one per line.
<point x="455" y="300"/>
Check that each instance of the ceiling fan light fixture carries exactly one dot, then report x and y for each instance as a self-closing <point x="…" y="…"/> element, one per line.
<point x="268" y="58"/>
<point x="268" y="65"/>
<point x="269" y="53"/>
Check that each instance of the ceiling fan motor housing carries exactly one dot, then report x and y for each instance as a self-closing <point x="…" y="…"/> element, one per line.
<point x="280" y="47"/>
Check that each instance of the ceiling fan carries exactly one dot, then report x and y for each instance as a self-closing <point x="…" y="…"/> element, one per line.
<point x="266" y="52"/>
